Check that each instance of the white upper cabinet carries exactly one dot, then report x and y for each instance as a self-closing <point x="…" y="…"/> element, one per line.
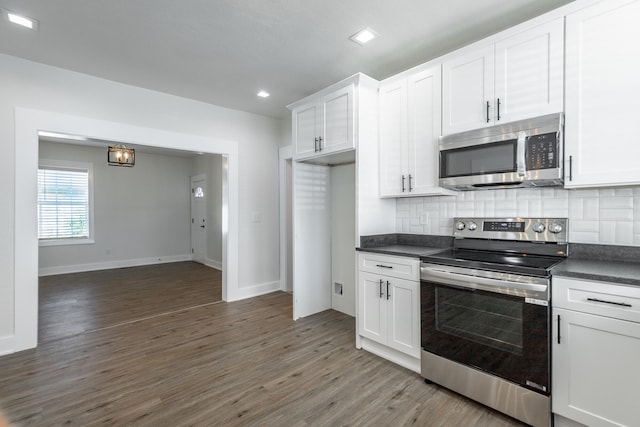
<point x="513" y="78"/>
<point x="468" y="90"/>
<point x="602" y="146"/>
<point x="324" y="125"/>
<point x="393" y="136"/>
<point x="410" y="124"/>
<point x="307" y="130"/>
<point x="529" y="73"/>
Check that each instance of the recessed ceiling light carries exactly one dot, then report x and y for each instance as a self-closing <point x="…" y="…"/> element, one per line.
<point x="363" y="36"/>
<point x="263" y="94"/>
<point x="24" y="21"/>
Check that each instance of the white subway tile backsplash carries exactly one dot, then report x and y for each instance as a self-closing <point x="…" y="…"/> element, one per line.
<point x="576" y="208"/>
<point x="584" y="226"/>
<point x="616" y="214"/>
<point x="618" y="202"/>
<point x="584" y="237"/>
<point x="590" y="209"/>
<point x="605" y="216"/>
<point x="624" y="233"/>
<point x="607" y="232"/>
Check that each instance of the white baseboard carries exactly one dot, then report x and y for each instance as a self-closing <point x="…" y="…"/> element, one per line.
<point x="7" y="345"/>
<point x="213" y="264"/>
<point x="108" y="265"/>
<point x="254" y="291"/>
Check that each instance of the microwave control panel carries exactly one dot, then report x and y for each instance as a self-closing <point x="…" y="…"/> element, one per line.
<point x="541" y="152"/>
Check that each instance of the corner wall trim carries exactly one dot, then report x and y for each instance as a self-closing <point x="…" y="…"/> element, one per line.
<point x="213" y="264"/>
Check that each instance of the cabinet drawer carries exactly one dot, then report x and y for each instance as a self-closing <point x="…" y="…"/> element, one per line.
<point x="389" y="265"/>
<point x="601" y="298"/>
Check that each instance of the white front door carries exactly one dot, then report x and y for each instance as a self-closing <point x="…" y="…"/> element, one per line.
<point x="199" y="218"/>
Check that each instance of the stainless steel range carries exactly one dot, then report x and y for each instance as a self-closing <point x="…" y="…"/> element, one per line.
<point x="485" y="313"/>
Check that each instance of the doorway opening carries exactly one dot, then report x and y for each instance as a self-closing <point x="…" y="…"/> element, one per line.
<point x="28" y="124"/>
<point x="142" y="259"/>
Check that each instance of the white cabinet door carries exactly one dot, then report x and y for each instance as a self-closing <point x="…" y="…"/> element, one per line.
<point x="595" y="369"/>
<point x="372" y="307"/>
<point x="529" y="73"/>
<point x="392" y="142"/>
<point x="468" y="81"/>
<point x="424" y="128"/>
<point x="306" y="129"/>
<point x="337" y="126"/>
<point x="602" y="146"/>
<point x="312" y="239"/>
<point x="403" y="300"/>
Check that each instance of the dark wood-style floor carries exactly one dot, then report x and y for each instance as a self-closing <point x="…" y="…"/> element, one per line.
<point x="239" y="363"/>
<point x="80" y="302"/>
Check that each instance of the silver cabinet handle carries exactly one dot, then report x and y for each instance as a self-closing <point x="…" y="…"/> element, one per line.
<point x="403" y="183"/>
<point x="315" y="145"/>
<point x="319" y="143"/>
<point x="487" y="111"/>
<point x="410" y="183"/>
<point x="383" y="266"/>
<point x="570" y="168"/>
<point x="558" y="329"/>
<point x="381" y="293"/>
<point x="498" y="106"/>
<point x="387" y="289"/>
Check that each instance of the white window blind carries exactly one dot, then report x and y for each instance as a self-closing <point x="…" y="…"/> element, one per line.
<point x="63" y="203"/>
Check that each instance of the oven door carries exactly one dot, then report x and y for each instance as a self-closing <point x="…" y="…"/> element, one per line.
<point x="501" y="334"/>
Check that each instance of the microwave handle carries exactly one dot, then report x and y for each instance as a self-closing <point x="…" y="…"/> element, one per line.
<point x="520" y="154"/>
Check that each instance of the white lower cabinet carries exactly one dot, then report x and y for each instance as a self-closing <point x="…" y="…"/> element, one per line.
<point x="595" y="353"/>
<point x="389" y="308"/>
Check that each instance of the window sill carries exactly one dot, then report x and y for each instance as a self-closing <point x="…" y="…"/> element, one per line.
<point x="66" y="242"/>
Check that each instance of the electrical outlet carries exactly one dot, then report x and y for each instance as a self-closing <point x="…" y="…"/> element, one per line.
<point x="256" y="217"/>
<point x="424" y="218"/>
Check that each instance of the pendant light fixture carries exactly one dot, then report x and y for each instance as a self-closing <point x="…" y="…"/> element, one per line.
<point x="121" y="155"/>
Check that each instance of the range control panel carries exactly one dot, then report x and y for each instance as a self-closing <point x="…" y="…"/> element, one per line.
<point x="522" y="229"/>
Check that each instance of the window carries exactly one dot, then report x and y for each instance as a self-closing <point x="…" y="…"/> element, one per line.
<point x="65" y="199"/>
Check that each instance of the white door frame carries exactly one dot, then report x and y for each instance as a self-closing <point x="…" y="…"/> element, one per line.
<point x="284" y="154"/>
<point x="27" y="124"/>
<point x="196" y="178"/>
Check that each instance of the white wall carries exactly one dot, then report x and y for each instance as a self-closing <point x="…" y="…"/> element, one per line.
<point x="343" y="230"/>
<point x="601" y="216"/>
<point x="28" y="85"/>
<point x="211" y="166"/>
<point x="141" y="214"/>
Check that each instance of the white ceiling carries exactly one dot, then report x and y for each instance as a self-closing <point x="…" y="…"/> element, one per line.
<point x="224" y="51"/>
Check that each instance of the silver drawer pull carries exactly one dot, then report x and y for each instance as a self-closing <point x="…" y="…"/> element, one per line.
<point x="622" y="304"/>
<point x="383" y="266"/>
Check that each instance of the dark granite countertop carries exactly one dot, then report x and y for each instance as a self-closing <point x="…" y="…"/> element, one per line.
<point x="402" y="250"/>
<point x="605" y="263"/>
<point x="409" y="245"/>
<point x="623" y="273"/>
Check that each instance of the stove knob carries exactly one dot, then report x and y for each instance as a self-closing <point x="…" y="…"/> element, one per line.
<point x="538" y="227"/>
<point x="472" y="226"/>
<point x="460" y="225"/>
<point x="555" y="228"/>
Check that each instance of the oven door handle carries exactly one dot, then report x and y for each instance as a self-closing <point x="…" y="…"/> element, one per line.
<point x="482" y="283"/>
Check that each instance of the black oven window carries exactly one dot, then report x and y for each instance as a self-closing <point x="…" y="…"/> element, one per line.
<point x="480" y="160"/>
<point x="481" y="318"/>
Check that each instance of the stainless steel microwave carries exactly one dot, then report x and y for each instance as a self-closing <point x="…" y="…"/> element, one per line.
<point x="526" y="153"/>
